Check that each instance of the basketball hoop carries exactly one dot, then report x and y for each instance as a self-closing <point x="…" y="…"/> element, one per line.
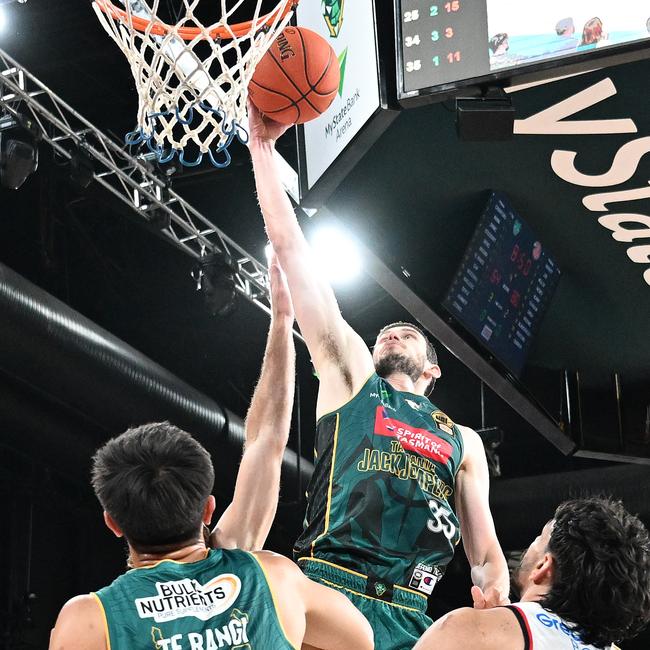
<point x="192" y="79"/>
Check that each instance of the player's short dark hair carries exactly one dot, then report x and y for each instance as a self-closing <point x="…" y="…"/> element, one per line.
<point x="154" y="480"/>
<point x="602" y="574"/>
<point x="432" y="355"/>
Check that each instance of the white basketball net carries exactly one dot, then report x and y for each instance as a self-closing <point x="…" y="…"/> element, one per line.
<point x="191" y="91"/>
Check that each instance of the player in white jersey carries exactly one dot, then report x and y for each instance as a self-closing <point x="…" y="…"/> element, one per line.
<point x="544" y="630"/>
<point x="584" y="585"/>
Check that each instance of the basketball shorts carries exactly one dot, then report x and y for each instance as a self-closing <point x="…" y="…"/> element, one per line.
<point x="397" y="616"/>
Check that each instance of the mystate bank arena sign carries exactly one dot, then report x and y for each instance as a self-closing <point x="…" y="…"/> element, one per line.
<point x="625" y="226"/>
<point x="349" y="27"/>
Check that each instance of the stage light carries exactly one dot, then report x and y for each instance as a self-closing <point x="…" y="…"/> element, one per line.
<point x="336" y="254"/>
<point x="82" y="169"/>
<point x="3" y="19"/>
<point x="268" y="251"/>
<point x="215" y="279"/>
<point x="18" y="153"/>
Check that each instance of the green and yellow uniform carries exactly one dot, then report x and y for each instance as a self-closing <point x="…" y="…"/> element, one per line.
<point x="379" y="524"/>
<point x="223" y="601"/>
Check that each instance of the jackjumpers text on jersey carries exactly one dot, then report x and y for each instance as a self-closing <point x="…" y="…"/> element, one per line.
<point x="379" y="499"/>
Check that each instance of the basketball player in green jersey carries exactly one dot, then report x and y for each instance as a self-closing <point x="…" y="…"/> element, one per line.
<point x="155" y="485"/>
<point x="380" y="525"/>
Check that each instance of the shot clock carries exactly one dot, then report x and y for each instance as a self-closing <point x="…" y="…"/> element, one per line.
<point x="504" y="284"/>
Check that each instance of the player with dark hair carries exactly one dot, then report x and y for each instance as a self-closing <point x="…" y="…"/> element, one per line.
<point x="380" y="524"/>
<point x="154" y="483"/>
<point x="584" y="583"/>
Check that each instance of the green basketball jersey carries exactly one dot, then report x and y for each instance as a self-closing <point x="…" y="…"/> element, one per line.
<point x="223" y="601"/>
<point x="379" y="499"/>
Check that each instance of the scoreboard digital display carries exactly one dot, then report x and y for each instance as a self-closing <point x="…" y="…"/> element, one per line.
<point x="503" y="285"/>
<point x="442" y="43"/>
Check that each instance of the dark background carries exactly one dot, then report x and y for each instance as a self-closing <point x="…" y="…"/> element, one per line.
<point x="414" y="199"/>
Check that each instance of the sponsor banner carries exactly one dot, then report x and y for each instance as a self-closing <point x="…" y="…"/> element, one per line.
<point x="184" y="598"/>
<point x="349" y="28"/>
<point x="411" y="438"/>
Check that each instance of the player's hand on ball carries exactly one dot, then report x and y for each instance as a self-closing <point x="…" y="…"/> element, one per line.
<point x="281" y="304"/>
<point x="263" y="128"/>
<point x="492" y="597"/>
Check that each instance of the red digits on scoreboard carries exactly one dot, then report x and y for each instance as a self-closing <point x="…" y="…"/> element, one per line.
<point x="452" y="6"/>
<point x="524" y="263"/>
<point x="515" y="298"/>
<point x="515" y="253"/>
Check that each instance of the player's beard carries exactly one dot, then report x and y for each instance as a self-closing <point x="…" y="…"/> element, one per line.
<point x="394" y="362"/>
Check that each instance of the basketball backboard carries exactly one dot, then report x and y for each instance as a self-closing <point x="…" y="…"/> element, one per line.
<point x="331" y="145"/>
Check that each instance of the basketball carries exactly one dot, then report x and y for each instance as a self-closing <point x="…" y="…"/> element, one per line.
<point x="297" y="79"/>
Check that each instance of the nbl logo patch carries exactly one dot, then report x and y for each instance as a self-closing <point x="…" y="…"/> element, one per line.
<point x="444" y="422"/>
<point x="183" y="598"/>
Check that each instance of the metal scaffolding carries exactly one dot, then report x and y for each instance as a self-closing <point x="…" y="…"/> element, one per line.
<point x="131" y="179"/>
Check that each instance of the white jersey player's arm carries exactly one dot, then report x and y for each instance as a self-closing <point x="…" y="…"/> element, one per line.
<point x="246" y="522"/>
<point x="340" y="356"/>
<point x="489" y="629"/>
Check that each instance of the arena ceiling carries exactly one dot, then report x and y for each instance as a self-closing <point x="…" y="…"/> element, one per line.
<point x="415" y="199"/>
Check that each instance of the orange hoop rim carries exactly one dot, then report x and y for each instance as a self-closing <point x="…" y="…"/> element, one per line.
<point x="159" y="28"/>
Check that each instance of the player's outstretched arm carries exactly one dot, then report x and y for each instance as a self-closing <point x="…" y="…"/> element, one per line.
<point x="489" y="568"/>
<point x="340" y="356"/>
<point x="495" y="629"/>
<point x="79" y="626"/>
<point x="312" y="614"/>
<point x="246" y="522"/>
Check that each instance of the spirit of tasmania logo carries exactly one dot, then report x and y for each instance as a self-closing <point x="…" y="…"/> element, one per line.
<point x="421" y="441"/>
<point x="333" y="15"/>
<point x="182" y="598"/>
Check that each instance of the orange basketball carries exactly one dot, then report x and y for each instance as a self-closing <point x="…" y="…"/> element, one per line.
<point x="298" y="77"/>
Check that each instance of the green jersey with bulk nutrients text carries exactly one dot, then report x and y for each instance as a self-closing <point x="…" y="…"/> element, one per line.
<point x="223" y="601"/>
<point x="379" y="499"/>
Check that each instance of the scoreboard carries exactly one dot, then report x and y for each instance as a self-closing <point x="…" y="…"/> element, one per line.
<point x="442" y="42"/>
<point x="504" y="284"/>
<point x="443" y="45"/>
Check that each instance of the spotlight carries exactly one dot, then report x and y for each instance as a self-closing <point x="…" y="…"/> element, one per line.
<point x="215" y="279"/>
<point x="82" y="169"/>
<point x="336" y="254"/>
<point x="18" y="152"/>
